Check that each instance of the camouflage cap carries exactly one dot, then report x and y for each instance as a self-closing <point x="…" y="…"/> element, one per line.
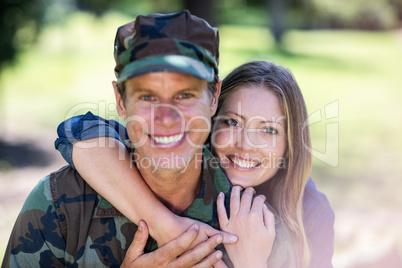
<point x="178" y="42"/>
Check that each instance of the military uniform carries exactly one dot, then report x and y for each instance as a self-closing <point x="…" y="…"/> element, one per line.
<point x="65" y="223"/>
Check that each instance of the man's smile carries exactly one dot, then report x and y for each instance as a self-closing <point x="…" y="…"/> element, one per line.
<point x="167" y="140"/>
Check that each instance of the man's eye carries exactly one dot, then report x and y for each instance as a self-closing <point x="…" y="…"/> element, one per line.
<point x="147" y="98"/>
<point x="270" y="130"/>
<point x="231" y="122"/>
<point x="185" y="96"/>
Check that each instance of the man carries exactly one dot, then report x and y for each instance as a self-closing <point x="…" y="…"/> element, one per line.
<point x="168" y="60"/>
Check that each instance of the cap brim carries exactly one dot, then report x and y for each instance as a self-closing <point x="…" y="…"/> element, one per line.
<point x="168" y="63"/>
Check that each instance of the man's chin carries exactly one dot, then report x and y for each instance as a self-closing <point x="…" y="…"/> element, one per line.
<point x="168" y="163"/>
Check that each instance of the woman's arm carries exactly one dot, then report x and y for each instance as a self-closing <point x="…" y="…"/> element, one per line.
<point x="110" y="172"/>
<point x="85" y="127"/>
<point x="254" y="225"/>
<point x="105" y="164"/>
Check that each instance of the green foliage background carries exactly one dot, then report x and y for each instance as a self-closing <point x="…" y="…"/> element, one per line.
<point x="70" y="68"/>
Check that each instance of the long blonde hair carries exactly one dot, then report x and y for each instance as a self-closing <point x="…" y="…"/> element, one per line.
<point x="285" y="190"/>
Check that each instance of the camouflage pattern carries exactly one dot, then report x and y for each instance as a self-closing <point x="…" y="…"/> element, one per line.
<point x="178" y="42"/>
<point x="65" y="223"/>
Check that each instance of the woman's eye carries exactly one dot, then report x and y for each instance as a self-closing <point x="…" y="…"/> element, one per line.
<point x="270" y="130"/>
<point x="231" y="122"/>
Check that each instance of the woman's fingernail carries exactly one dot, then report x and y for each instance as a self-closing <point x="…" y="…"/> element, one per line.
<point x="196" y="227"/>
<point x="219" y="239"/>
<point x="233" y="238"/>
<point x="218" y="254"/>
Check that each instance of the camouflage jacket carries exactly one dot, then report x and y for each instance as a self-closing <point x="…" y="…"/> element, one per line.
<point x="65" y="223"/>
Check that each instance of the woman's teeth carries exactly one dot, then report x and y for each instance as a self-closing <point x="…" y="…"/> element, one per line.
<point x="244" y="163"/>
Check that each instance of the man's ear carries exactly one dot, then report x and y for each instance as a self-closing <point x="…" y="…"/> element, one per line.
<point x="121" y="110"/>
<point x="215" y="97"/>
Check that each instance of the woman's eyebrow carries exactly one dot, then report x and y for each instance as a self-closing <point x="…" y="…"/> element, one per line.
<point x="236" y="114"/>
<point x="271" y="122"/>
<point x="262" y="121"/>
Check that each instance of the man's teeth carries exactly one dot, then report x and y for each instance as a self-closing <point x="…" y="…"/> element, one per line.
<point x="243" y="163"/>
<point x="168" y="139"/>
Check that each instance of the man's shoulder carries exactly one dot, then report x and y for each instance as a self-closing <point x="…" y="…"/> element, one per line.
<point x="70" y="191"/>
<point x="68" y="183"/>
<point x="64" y="217"/>
<point x="51" y="187"/>
<point x="63" y="186"/>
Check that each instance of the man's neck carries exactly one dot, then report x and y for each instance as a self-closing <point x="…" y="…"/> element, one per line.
<point x="177" y="188"/>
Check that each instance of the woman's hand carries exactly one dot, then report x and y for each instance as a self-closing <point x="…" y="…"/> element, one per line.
<point x="172" y="227"/>
<point x="254" y="225"/>
<point x="176" y="225"/>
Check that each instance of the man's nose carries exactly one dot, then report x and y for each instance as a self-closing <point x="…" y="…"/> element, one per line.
<point x="166" y="114"/>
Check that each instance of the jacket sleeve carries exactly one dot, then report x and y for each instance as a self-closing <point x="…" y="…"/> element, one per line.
<point x="84" y="127"/>
<point x="322" y="240"/>
<point x="36" y="239"/>
<point x="318" y="219"/>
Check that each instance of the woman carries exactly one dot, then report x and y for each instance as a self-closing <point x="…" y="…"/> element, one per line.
<point x="260" y="142"/>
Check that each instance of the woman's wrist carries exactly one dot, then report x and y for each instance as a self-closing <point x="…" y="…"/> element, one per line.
<point x="166" y="227"/>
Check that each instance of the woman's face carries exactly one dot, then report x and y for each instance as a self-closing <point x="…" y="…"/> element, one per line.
<point x="249" y="135"/>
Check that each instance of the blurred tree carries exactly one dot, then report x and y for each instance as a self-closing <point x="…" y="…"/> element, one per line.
<point x="203" y="9"/>
<point x="98" y="7"/>
<point x="22" y="20"/>
<point x="20" y="23"/>
<point x="397" y="6"/>
<point x="274" y="14"/>
<point x="357" y="14"/>
<point x="277" y="11"/>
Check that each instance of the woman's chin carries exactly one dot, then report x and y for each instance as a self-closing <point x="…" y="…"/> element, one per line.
<point x="241" y="182"/>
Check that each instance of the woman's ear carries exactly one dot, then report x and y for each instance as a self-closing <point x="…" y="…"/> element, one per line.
<point x="215" y="97"/>
<point x="121" y="110"/>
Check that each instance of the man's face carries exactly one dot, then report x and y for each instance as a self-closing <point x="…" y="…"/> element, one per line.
<point x="168" y="118"/>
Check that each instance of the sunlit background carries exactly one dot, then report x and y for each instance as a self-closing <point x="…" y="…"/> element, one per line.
<point x="56" y="61"/>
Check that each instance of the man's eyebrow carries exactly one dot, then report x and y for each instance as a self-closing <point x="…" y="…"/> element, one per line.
<point x="195" y="88"/>
<point x="149" y="91"/>
<point x="141" y="90"/>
